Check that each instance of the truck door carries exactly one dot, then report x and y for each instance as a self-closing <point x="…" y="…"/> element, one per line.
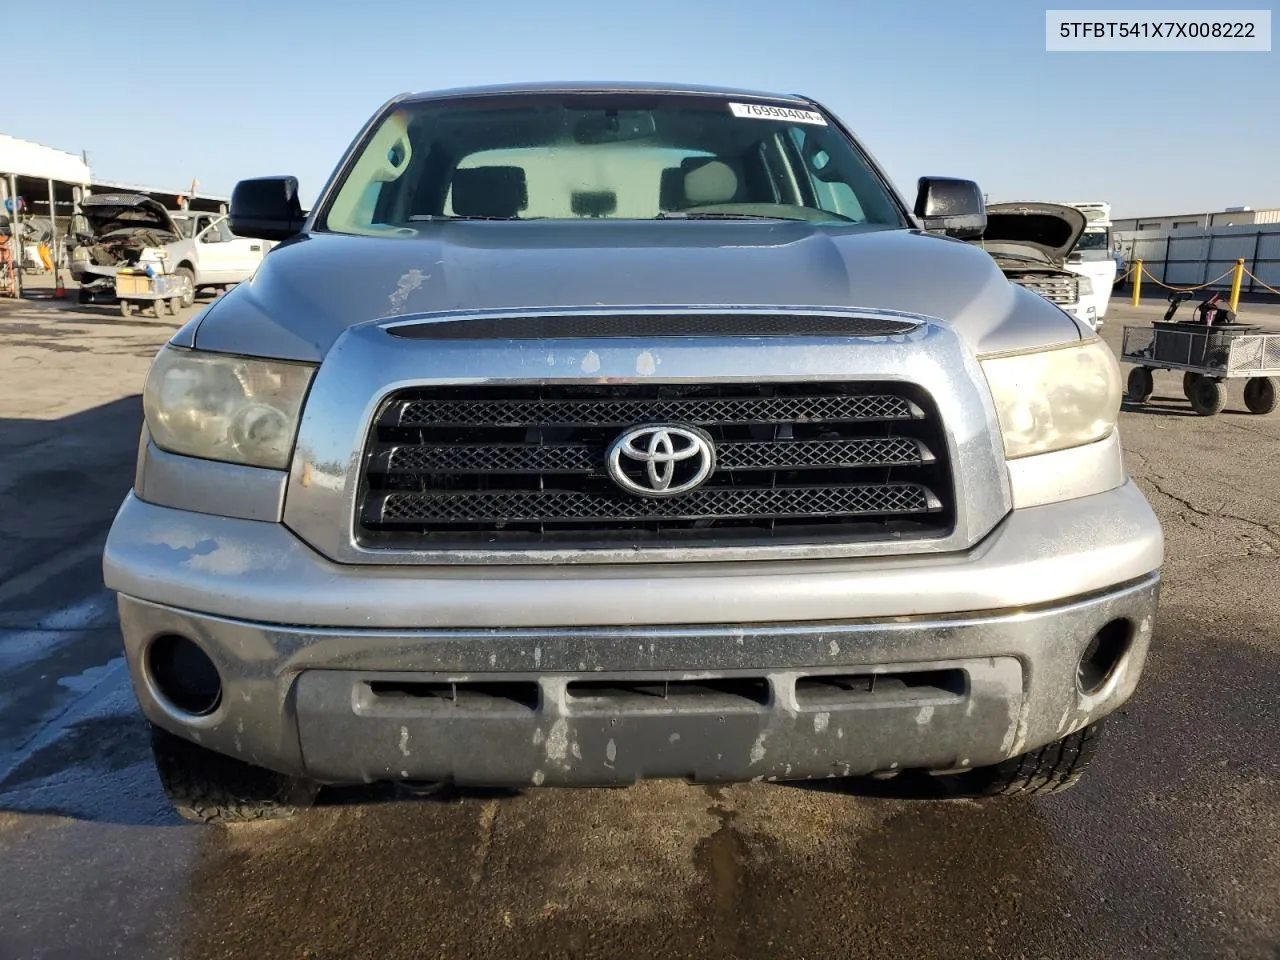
<point x="224" y="257"/>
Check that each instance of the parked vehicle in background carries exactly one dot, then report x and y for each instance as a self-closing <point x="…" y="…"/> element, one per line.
<point x="222" y="258"/>
<point x="192" y="222"/>
<point x="111" y="231"/>
<point x="589" y="433"/>
<point x="1094" y="257"/>
<point x="1122" y="267"/>
<point x="115" y="230"/>
<point x="1030" y="242"/>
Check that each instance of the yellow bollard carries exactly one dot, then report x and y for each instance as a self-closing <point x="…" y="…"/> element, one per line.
<point x="1236" y="281"/>
<point x="1137" y="282"/>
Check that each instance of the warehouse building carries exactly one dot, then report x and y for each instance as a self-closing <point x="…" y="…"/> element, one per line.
<point x="1230" y="217"/>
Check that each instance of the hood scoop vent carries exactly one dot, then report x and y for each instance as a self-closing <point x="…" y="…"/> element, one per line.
<point x="610" y="325"/>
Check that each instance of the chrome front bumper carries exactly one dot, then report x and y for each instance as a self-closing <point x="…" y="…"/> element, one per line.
<point x="325" y="665"/>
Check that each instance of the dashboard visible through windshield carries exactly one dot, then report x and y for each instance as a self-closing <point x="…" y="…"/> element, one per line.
<point x="579" y="156"/>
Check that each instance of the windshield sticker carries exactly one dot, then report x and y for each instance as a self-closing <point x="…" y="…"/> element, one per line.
<point x="764" y="111"/>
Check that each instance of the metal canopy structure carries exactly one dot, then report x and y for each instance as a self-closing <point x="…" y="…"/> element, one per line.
<point x="36" y="180"/>
<point x="43" y="183"/>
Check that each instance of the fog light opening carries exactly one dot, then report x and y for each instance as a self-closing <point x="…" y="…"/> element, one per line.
<point x="184" y="675"/>
<point x="1103" y="655"/>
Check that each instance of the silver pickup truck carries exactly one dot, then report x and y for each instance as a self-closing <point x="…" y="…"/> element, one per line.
<point x="583" y="433"/>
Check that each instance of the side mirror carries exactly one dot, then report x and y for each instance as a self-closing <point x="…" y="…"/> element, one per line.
<point x="950" y="206"/>
<point x="266" y="208"/>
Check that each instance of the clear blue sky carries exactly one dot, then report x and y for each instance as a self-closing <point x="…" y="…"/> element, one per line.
<point x="963" y="89"/>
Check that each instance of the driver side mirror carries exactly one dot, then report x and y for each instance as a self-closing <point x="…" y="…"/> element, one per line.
<point x="952" y="207"/>
<point x="266" y="208"/>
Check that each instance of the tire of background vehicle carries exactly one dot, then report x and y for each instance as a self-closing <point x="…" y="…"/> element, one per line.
<point x="1188" y="382"/>
<point x="175" y="305"/>
<point x="1141" y="385"/>
<point x="189" y="288"/>
<point x="126" y="308"/>
<point x="1051" y="769"/>
<point x="1260" y="394"/>
<point x="208" y="787"/>
<point x="1208" y="397"/>
<point x="84" y="296"/>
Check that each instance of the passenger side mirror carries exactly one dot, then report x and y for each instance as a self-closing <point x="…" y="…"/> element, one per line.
<point x="266" y="208"/>
<point x="950" y="206"/>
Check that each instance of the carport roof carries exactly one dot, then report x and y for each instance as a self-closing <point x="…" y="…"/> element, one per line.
<point x="25" y="158"/>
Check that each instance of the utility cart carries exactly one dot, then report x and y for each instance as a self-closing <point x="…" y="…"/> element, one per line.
<point x="138" y="288"/>
<point x="1209" y="351"/>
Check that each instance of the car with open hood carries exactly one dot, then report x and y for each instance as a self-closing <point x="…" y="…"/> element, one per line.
<point x="1031" y="242"/>
<point x="584" y="433"/>
<point x="117" y="230"/>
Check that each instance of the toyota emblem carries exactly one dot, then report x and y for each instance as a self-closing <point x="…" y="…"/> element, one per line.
<point x="661" y="460"/>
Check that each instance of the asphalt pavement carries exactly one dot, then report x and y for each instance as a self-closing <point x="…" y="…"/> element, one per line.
<point x="1170" y="846"/>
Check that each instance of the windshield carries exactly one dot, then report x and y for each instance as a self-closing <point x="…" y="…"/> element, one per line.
<point x="604" y="156"/>
<point x="1094" y="245"/>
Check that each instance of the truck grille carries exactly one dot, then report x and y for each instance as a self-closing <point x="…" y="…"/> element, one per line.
<point x="1055" y="288"/>
<point x="490" y="466"/>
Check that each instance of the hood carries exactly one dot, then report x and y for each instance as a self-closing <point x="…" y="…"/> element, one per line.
<point x="309" y="290"/>
<point x="109" y="212"/>
<point x="1046" y="231"/>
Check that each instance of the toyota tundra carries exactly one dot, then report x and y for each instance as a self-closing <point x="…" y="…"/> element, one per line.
<point x="587" y="433"/>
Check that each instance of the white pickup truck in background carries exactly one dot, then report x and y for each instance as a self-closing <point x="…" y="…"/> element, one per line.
<point x="1093" y="257"/>
<point x="115" y="230"/>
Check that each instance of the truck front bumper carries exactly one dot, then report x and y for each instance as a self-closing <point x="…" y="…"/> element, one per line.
<point x="591" y="675"/>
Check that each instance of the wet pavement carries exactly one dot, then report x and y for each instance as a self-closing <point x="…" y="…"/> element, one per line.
<point x="1170" y="846"/>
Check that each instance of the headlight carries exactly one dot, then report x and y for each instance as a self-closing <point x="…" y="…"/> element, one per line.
<point x="1054" y="399"/>
<point x="1085" y="288"/>
<point x="221" y="407"/>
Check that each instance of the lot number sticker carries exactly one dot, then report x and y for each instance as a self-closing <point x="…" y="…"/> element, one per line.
<point x="764" y="111"/>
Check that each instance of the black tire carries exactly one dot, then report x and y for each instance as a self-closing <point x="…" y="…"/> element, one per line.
<point x="1208" y="398"/>
<point x="1141" y="385"/>
<point x="208" y="787"/>
<point x="188" y="288"/>
<point x="1260" y="394"/>
<point x="1051" y="769"/>
<point x="84" y="295"/>
<point x="1188" y="383"/>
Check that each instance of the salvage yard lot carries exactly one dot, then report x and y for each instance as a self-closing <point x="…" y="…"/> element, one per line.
<point x="1169" y="847"/>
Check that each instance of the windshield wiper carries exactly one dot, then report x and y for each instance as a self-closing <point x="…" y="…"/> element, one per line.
<point x="438" y="217"/>
<point x="713" y="215"/>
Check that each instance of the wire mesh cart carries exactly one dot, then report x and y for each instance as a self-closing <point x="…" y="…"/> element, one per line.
<point x="1208" y="357"/>
<point x="137" y="288"/>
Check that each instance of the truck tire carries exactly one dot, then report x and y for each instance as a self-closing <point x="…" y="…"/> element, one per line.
<point x="208" y="787"/>
<point x="1141" y="385"/>
<point x="1051" y="769"/>
<point x="1208" y="398"/>
<point x="188" y="288"/>
<point x="1260" y="394"/>
<point x="1188" y="383"/>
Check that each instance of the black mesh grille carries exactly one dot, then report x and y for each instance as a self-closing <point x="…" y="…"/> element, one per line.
<point x="489" y="466"/>
<point x="620" y="413"/>
<point x="556" y="505"/>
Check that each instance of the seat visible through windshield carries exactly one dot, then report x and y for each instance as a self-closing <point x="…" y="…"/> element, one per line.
<point x="603" y="156"/>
